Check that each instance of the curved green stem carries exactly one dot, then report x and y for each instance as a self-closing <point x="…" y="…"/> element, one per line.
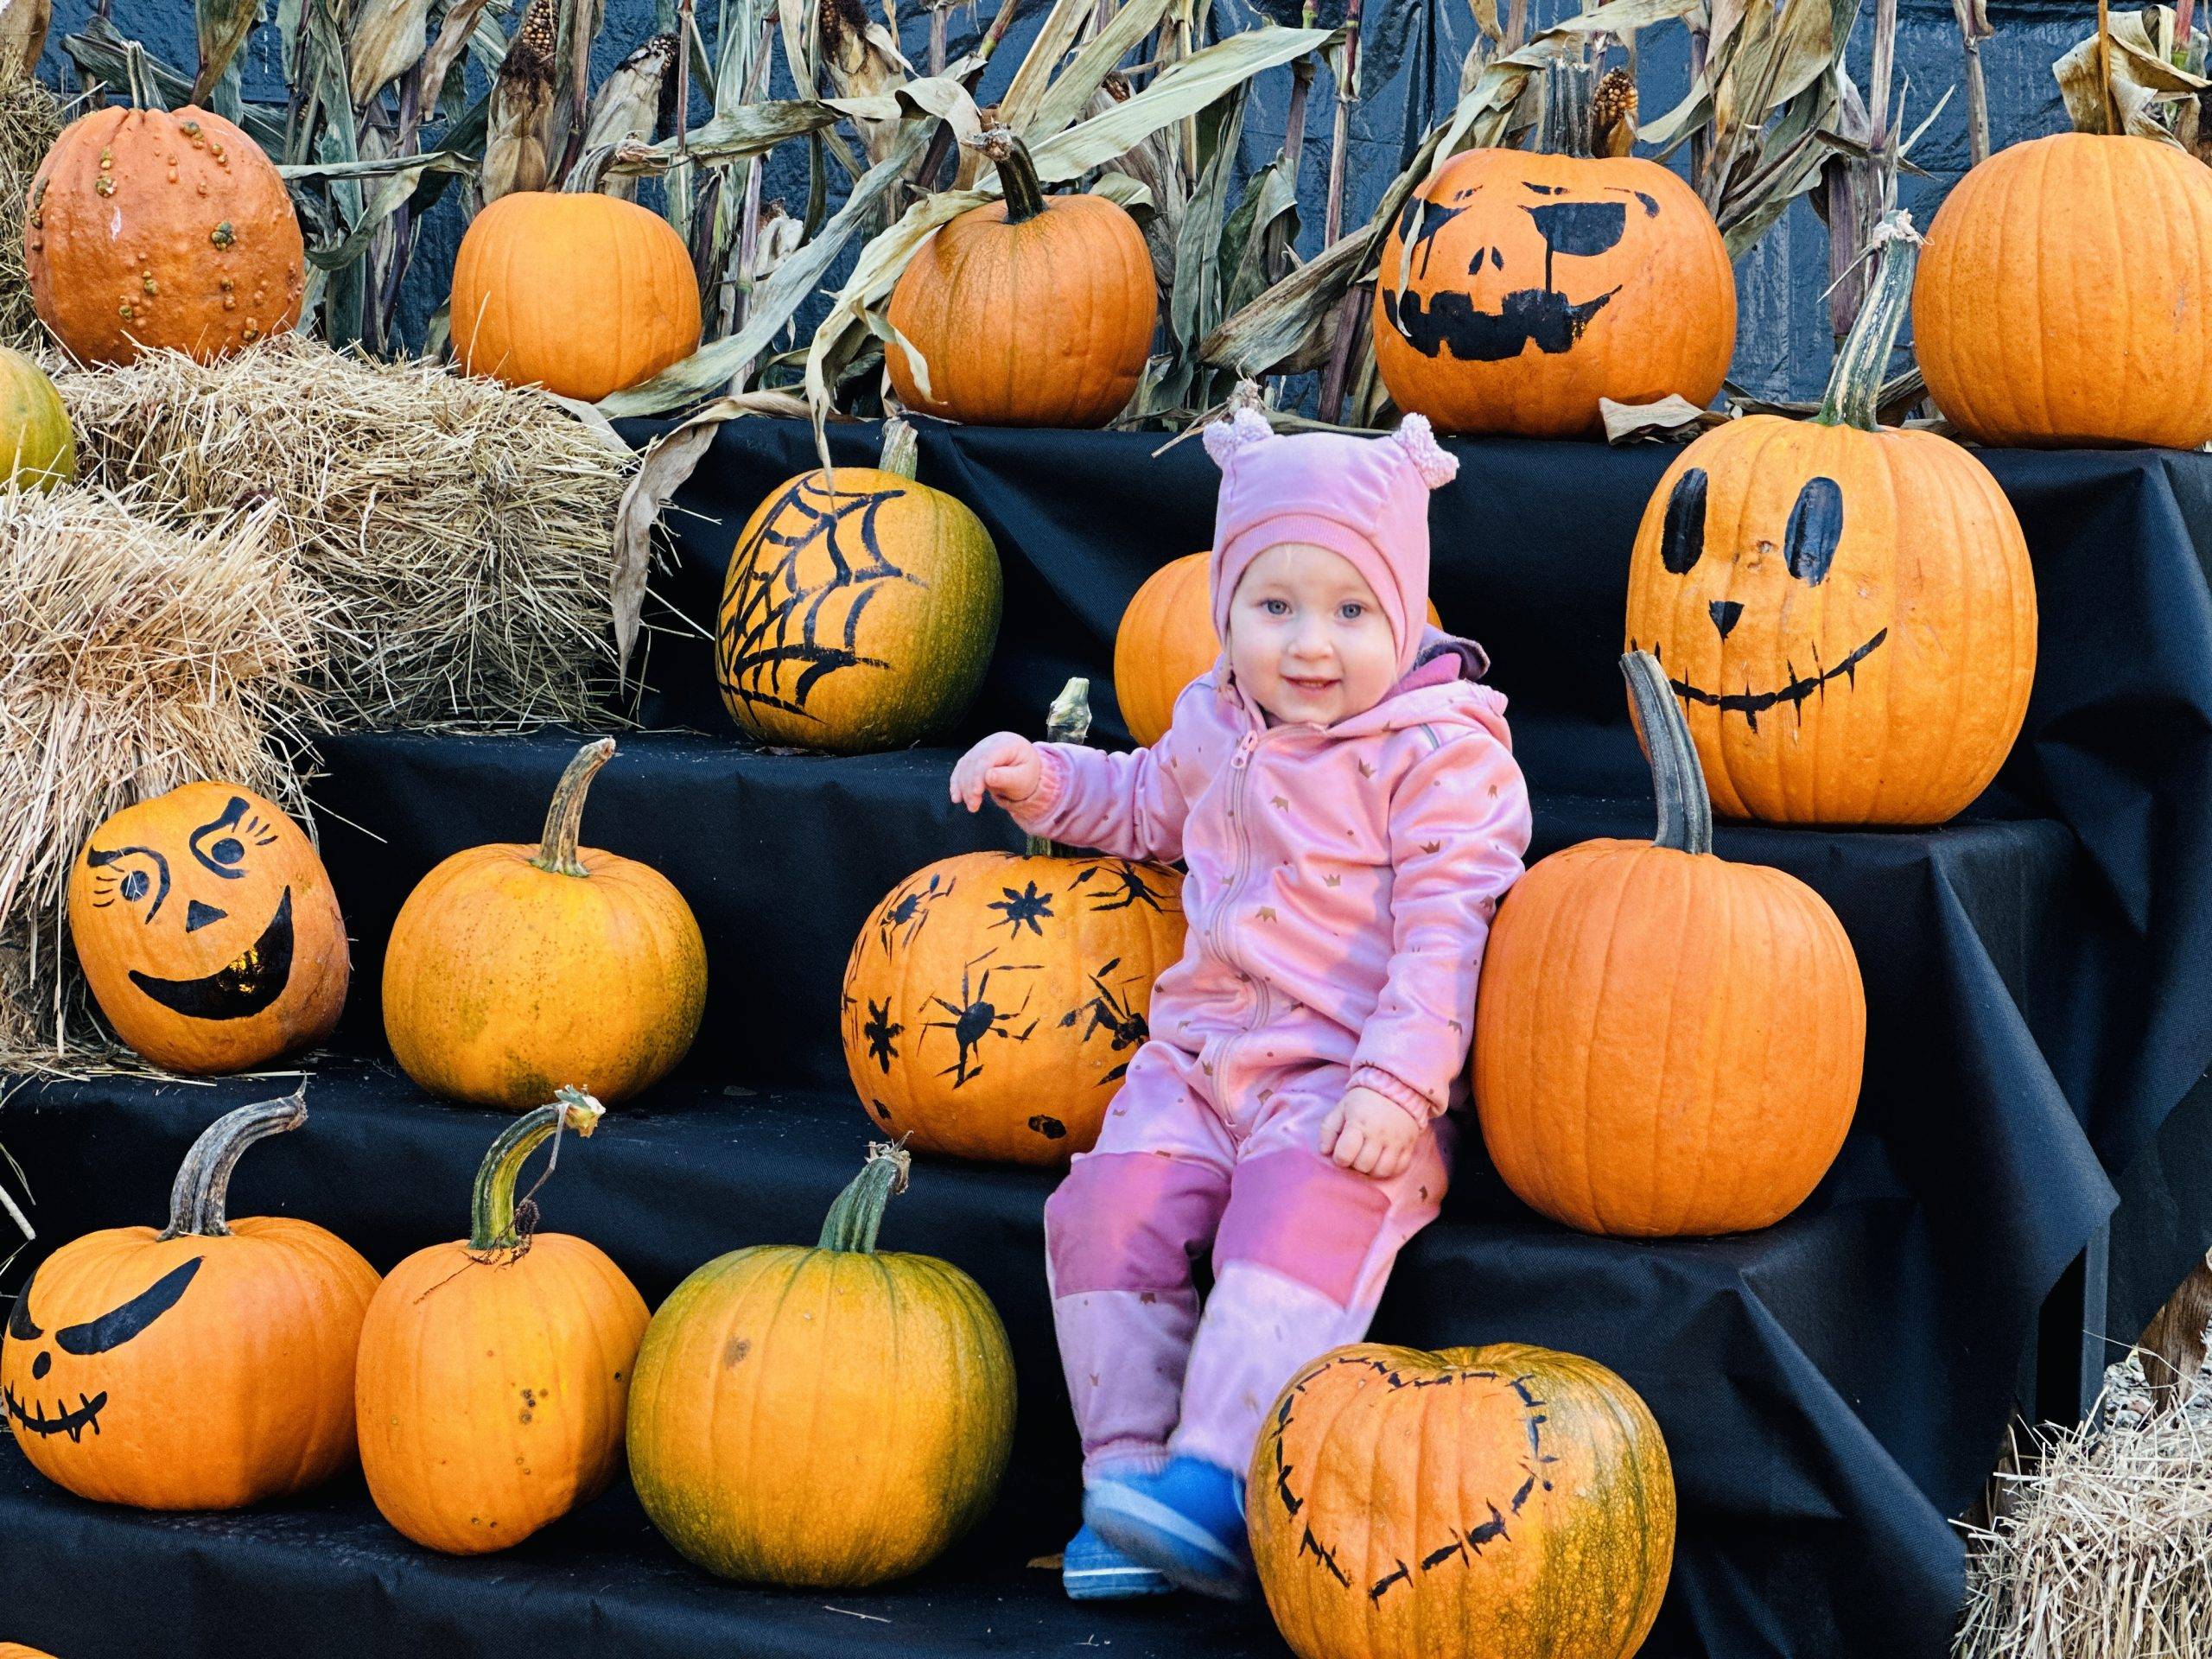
<point x="1677" y="779"/>
<point x="1854" y="392"/>
<point x="203" y="1181"/>
<point x="1025" y="196"/>
<point x="557" y="847"/>
<point x="1564" y="130"/>
<point x="854" y="1219"/>
<point x="1068" y="720"/>
<point x="491" y="1208"/>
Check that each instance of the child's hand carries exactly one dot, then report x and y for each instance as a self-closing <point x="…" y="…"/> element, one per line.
<point x="1370" y="1133"/>
<point x="1005" y="765"/>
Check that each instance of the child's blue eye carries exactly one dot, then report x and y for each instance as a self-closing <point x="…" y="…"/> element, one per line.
<point x="1276" y="607"/>
<point x="1351" y="610"/>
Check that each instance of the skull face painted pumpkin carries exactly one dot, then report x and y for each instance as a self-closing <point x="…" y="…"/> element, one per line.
<point x="1517" y="289"/>
<point x="1846" y="611"/>
<point x="208" y="930"/>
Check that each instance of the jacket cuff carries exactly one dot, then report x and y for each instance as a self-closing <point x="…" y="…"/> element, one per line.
<point x="1396" y="1091"/>
<point x="1033" y="809"/>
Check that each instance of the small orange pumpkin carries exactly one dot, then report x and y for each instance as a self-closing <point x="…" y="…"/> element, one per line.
<point x="208" y="932"/>
<point x="1033" y="311"/>
<point x="494" y="1373"/>
<point x="514" y="968"/>
<point x="154" y="229"/>
<point x="207" y="1366"/>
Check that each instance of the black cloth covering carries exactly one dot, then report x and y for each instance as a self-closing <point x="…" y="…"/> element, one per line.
<point x="1832" y="1389"/>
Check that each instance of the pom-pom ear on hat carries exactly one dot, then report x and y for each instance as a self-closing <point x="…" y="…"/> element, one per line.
<point x="1436" y="465"/>
<point x="1240" y="432"/>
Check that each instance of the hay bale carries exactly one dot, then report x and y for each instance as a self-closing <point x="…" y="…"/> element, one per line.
<point x="30" y="120"/>
<point x="133" y="657"/>
<point x="461" y="532"/>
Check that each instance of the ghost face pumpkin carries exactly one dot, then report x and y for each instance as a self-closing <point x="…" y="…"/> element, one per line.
<point x="204" y="1367"/>
<point x="208" y="929"/>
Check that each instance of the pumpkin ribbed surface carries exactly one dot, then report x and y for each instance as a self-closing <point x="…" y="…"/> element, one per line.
<point x="2066" y="295"/>
<point x="150" y="228"/>
<point x="1498" y="1503"/>
<point x="580" y="293"/>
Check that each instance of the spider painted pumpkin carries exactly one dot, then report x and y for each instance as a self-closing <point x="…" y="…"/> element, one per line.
<point x="1847" y="610"/>
<point x="897" y="1366"/>
<point x="208" y="929"/>
<point x="1498" y="1503"/>
<point x="513" y="970"/>
<point x="206" y="1366"/>
<point x="859" y="611"/>
<point x="38" y="448"/>
<point x="1166" y="640"/>
<point x="1033" y="311"/>
<point x="577" y="292"/>
<point x="495" y="1372"/>
<point x="2022" y="331"/>
<point x="1666" y="1043"/>
<point x="993" y="1001"/>
<point x="155" y="229"/>
<point x="1536" y="282"/>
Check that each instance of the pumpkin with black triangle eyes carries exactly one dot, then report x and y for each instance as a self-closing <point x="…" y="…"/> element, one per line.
<point x="208" y="929"/>
<point x="1845" y="610"/>
<point x="206" y="1366"/>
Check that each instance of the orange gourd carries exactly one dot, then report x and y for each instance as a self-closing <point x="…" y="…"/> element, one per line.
<point x="513" y="969"/>
<point x="1666" y="1043"/>
<point x="1033" y="311"/>
<point x="495" y="1372"/>
<point x="580" y="293"/>
<point x="153" y="229"/>
<point x="1535" y="283"/>
<point x="206" y="1366"/>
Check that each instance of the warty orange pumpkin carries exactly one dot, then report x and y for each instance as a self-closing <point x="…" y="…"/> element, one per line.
<point x="513" y="970"/>
<point x="206" y="1366"/>
<point x="1666" y="1043"/>
<point x="155" y="229"/>
<point x="1498" y="1503"/>
<point x="1032" y="311"/>
<point x="897" y="1366"/>
<point x="495" y="1372"/>
<point x="1518" y="288"/>
<point x="1847" y="610"/>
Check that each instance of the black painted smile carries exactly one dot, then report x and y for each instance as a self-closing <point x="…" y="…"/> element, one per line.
<point x="245" y="985"/>
<point x="1752" y="704"/>
<point x="73" y="1423"/>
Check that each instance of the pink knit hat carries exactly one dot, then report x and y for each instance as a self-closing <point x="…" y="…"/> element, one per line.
<point x="1366" y="499"/>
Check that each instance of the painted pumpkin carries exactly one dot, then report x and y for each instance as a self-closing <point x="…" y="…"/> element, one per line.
<point x="154" y="229"/>
<point x="1847" y="610"/>
<point x="514" y="969"/>
<point x="896" y="1367"/>
<point x="1498" y="1503"/>
<point x="1166" y="640"/>
<point x="2021" y="332"/>
<point x="206" y="1366"/>
<point x="580" y="293"/>
<point x="37" y="445"/>
<point x="1032" y="311"/>
<point x="860" y="610"/>
<point x="208" y="932"/>
<point x="495" y="1372"/>
<point x="1536" y="282"/>
<point x="992" y="1001"/>
<point x="1666" y="1043"/>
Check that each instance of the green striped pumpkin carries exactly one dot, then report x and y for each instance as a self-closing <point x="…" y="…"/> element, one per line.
<point x="36" y="443"/>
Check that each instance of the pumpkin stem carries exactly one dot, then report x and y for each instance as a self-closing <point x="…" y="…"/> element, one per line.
<point x="855" y="1219"/>
<point x="1068" y="720"/>
<point x="1025" y="196"/>
<point x="491" y="1208"/>
<point x="902" y="450"/>
<point x="203" y="1181"/>
<point x="1564" y="130"/>
<point x="1685" y="808"/>
<point x="1854" y="392"/>
<point x="557" y="847"/>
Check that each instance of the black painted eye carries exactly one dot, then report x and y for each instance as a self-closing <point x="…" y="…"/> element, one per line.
<point x="114" y="1330"/>
<point x="148" y="872"/>
<point x="223" y="856"/>
<point x="135" y="885"/>
<point x="227" y="851"/>
<point x="1808" y="542"/>
<point x="1582" y="228"/>
<point x="19" y="1322"/>
<point x="1681" y="542"/>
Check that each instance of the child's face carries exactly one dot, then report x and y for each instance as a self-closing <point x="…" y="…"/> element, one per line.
<point x="1306" y="638"/>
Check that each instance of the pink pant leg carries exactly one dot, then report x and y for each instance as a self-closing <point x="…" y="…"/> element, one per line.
<point x="1120" y="1236"/>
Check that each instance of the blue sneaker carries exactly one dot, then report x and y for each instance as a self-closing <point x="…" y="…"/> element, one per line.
<point x="1093" y="1570"/>
<point x="1188" y="1521"/>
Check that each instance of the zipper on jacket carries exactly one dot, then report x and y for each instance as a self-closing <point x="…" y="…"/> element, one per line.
<point x="1240" y="776"/>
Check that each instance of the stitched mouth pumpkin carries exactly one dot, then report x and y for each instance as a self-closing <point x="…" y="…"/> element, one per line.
<point x="208" y="930"/>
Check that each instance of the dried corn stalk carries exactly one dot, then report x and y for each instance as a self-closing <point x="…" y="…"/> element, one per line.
<point x="517" y="144"/>
<point x="630" y="107"/>
<point x="2126" y="77"/>
<point x="861" y="59"/>
<point x="388" y="38"/>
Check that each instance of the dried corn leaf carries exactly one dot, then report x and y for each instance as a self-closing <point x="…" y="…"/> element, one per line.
<point x="2146" y="86"/>
<point x="1062" y="28"/>
<point x="627" y="107"/>
<point x="518" y="147"/>
<point x="1070" y="94"/>
<point x="861" y="60"/>
<point x="388" y="38"/>
<point x="222" y="27"/>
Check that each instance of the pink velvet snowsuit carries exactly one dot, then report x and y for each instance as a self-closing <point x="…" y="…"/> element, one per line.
<point x="1341" y="885"/>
